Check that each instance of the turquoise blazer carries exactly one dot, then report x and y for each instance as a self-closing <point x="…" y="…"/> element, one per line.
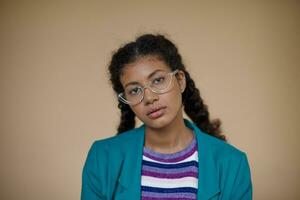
<point x="113" y="167"/>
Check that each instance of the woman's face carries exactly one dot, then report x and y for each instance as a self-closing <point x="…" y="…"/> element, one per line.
<point x="169" y="103"/>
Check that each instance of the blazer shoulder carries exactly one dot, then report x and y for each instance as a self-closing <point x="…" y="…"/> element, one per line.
<point x="99" y="164"/>
<point x="233" y="169"/>
<point x="116" y="141"/>
<point x="223" y="150"/>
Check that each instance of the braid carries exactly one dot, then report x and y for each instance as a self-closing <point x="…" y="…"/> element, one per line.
<point x="127" y="120"/>
<point x="197" y="110"/>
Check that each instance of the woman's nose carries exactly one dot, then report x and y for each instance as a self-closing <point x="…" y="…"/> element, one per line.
<point x="150" y="96"/>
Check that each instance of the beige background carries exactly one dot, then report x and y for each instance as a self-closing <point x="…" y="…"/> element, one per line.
<point x="56" y="98"/>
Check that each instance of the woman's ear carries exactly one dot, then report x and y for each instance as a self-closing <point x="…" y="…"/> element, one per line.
<point x="181" y="80"/>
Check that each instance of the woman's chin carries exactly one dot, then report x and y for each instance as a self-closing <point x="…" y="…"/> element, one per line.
<point x="157" y="123"/>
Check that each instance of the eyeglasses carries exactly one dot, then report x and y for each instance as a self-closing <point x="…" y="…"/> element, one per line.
<point x="159" y="84"/>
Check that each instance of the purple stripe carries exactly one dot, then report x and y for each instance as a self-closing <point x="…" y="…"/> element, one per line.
<point x="171" y="155"/>
<point x="171" y="176"/>
<point x="174" y="198"/>
<point x="163" y="170"/>
<point x="170" y="195"/>
<point x="182" y="157"/>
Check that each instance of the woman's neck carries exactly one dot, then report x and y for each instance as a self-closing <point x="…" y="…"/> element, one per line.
<point x="170" y="139"/>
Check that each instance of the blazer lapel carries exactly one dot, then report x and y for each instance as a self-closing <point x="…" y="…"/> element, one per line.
<point x="208" y="179"/>
<point x="130" y="175"/>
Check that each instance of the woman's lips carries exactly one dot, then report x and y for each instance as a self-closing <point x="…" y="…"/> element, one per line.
<point x="157" y="113"/>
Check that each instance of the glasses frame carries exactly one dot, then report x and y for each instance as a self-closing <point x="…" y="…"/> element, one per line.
<point x="147" y="85"/>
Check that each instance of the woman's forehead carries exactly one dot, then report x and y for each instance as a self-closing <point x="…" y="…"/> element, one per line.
<point x="142" y="68"/>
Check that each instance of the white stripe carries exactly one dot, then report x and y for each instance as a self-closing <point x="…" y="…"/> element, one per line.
<point x="169" y="183"/>
<point x="194" y="157"/>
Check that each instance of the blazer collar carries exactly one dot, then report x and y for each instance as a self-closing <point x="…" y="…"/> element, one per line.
<point x="130" y="176"/>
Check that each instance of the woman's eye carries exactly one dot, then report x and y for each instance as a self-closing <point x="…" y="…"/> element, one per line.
<point x="158" y="80"/>
<point x="134" y="91"/>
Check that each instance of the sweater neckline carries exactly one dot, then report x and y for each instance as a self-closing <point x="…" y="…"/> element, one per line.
<point x="187" y="150"/>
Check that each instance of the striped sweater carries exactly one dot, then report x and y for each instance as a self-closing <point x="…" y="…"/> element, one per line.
<point x="170" y="176"/>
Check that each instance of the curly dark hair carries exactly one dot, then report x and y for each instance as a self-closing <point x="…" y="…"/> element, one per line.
<point x="158" y="45"/>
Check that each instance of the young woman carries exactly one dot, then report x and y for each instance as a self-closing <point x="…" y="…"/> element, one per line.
<point x="167" y="157"/>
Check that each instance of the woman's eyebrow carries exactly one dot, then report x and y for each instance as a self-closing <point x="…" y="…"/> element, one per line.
<point x="154" y="72"/>
<point x="149" y="76"/>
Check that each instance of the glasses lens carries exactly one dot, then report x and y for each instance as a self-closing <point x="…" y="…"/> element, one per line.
<point x="133" y="94"/>
<point x="160" y="82"/>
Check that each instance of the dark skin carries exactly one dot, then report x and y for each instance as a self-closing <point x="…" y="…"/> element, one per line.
<point x="170" y="139"/>
<point x="168" y="133"/>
